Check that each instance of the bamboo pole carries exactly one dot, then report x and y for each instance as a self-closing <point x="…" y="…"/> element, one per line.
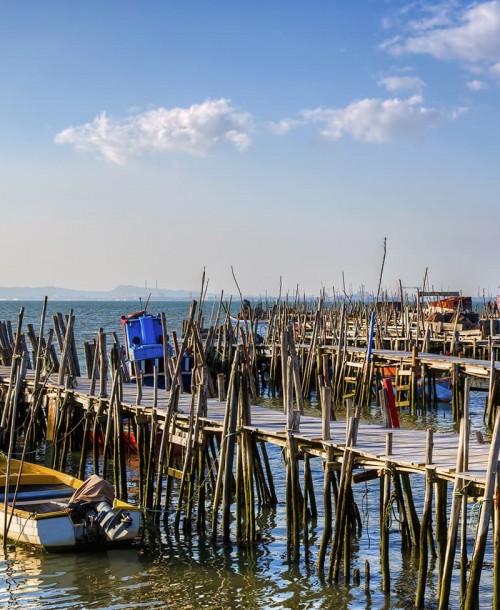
<point x="190" y="445"/>
<point x="445" y="583"/>
<point x="384" y="525"/>
<point x="496" y="541"/>
<point x="228" y="461"/>
<point x="441" y="511"/>
<point x="224" y="444"/>
<point x="19" y="377"/>
<point x="343" y="498"/>
<point x="425" y="524"/>
<point x="472" y="595"/>
<point x="171" y="407"/>
<point x="13" y="372"/>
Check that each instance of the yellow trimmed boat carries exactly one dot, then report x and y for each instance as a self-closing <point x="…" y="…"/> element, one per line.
<point x="56" y="511"/>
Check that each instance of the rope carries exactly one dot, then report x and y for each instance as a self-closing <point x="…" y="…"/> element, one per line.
<point x="475" y="512"/>
<point x="31" y="516"/>
<point x="463" y="491"/>
<point x="145" y="509"/>
<point x="390" y="512"/>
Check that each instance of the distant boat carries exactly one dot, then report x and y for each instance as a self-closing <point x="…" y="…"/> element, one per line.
<point x="56" y="511"/>
<point x="456" y="310"/>
<point x="451" y="304"/>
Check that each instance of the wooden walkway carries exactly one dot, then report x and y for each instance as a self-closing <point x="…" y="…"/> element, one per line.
<point x="408" y="446"/>
<point x="470" y="366"/>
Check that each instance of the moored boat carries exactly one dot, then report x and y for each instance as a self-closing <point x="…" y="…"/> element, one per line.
<point x="440" y="389"/>
<point x="451" y="304"/>
<point x="56" y="511"/>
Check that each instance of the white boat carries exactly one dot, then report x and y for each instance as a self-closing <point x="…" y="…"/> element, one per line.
<point x="260" y="327"/>
<point x="442" y="388"/>
<point x="58" y="512"/>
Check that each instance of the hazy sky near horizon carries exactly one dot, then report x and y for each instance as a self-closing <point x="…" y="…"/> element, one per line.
<point x="143" y="141"/>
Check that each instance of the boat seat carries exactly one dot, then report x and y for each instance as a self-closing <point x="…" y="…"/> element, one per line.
<point x="40" y="494"/>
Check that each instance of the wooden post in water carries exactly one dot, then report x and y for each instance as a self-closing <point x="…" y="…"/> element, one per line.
<point x="225" y="439"/>
<point x="19" y="371"/>
<point x="66" y="349"/>
<point x="441" y="522"/>
<point x="248" y="460"/>
<point x="173" y="399"/>
<point x="189" y="455"/>
<point x="465" y="466"/>
<point x="496" y="541"/>
<point x="456" y="505"/>
<point x="229" y="459"/>
<point x="343" y="500"/>
<point x="13" y="372"/>
<point x="327" y="504"/>
<point x="472" y="595"/>
<point x="413" y="521"/>
<point x="425" y="524"/>
<point x="384" y="517"/>
<point x="109" y="425"/>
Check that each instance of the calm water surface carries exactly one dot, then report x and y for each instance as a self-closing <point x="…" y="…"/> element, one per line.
<point x="186" y="572"/>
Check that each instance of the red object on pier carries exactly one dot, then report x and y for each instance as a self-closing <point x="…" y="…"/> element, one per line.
<point x="391" y="400"/>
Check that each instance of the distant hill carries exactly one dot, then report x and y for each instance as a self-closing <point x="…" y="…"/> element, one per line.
<point x="120" y="293"/>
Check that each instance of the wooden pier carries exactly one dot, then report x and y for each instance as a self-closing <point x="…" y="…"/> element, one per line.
<point x="202" y="461"/>
<point x="270" y="425"/>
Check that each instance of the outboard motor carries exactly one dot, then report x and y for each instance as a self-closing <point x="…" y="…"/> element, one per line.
<point x="93" y="515"/>
<point x="113" y="524"/>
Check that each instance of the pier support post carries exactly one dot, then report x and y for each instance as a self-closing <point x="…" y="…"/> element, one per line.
<point x="425" y="525"/>
<point x="472" y="595"/>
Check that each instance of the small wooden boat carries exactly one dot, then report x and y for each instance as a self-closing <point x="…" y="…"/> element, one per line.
<point x="56" y="511"/>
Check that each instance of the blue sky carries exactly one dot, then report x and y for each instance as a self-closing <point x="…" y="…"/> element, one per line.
<point x="144" y="141"/>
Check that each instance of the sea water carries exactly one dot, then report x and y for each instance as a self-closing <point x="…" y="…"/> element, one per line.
<point x="188" y="572"/>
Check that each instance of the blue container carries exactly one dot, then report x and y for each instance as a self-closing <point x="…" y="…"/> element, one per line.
<point x="144" y="337"/>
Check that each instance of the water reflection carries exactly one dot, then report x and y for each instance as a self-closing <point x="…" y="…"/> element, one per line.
<point x="184" y="571"/>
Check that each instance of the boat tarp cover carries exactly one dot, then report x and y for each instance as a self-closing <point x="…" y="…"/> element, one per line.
<point x="94" y="489"/>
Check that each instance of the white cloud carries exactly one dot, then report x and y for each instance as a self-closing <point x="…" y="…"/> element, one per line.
<point x="495" y="69"/>
<point x="193" y="130"/>
<point x="374" y="120"/>
<point x="434" y="15"/>
<point x="458" y="111"/>
<point x="476" y="85"/>
<point x="472" y="35"/>
<point x="282" y="127"/>
<point x="402" y="83"/>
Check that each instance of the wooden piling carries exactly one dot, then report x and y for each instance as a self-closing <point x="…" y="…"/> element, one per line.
<point x="385" y="515"/>
<point x="472" y="595"/>
<point x="425" y="524"/>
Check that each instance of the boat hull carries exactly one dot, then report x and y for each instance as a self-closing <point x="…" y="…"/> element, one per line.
<point x="38" y="511"/>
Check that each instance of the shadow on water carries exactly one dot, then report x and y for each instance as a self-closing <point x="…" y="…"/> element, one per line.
<point x="196" y="574"/>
